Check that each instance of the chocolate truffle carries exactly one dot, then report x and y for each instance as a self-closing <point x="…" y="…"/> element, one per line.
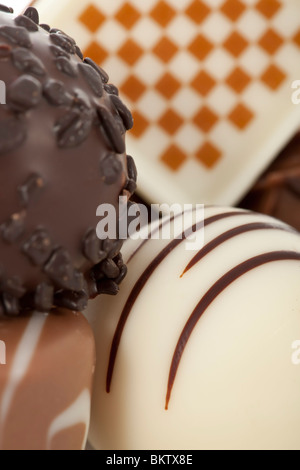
<point x="277" y="192"/>
<point x="62" y="154"/>
<point x="197" y="350"/>
<point x="45" y="385"/>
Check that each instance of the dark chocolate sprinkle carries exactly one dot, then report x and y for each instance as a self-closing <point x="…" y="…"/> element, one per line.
<point x="11" y="304"/>
<point x="79" y="52"/>
<point x="92" y="249"/>
<point x="27" y="62"/>
<point x="131" y="186"/>
<point x="46" y="27"/>
<point x="39" y="247"/>
<point x="60" y="270"/>
<point x="111" y="89"/>
<point x="65" y="66"/>
<point x="131" y="168"/>
<point x="32" y="186"/>
<point x="62" y="33"/>
<point x="63" y="41"/>
<point x="17" y="35"/>
<point x="111" y="129"/>
<point x="110" y="269"/>
<point x="108" y="287"/>
<point x="81" y="100"/>
<point x="12" y="134"/>
<point x="92" y="78"/>
<point x="110" y="169"/>
<point x="73" y="128"/>
<point x="112" y="247"/>
<point x="76" y="301"/>
<point x="122" y="275"/>
<point x="58" y="52"/>
<point x="13" y="286"/>
<point x="6" y="9"/>
<point x="27" y="23"/>
<point x="56" y="94"/>
<point x="5" y="51"/>
<point x="32" y="13"/>
<point x="25" y="92"/>
<point x="104" y="76"/>
<point x="12" y="230"/>
<point x="123" y="111"/>
<point x="43" y="297"/>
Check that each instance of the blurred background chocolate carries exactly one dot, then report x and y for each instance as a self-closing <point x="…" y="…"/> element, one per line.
<point x="277" y="192"/>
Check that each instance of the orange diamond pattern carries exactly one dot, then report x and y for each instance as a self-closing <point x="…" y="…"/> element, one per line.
<point x="197" y="11"/>
<point x="128" y="16"/>
<point x="130" y="52"/>
<point x="268" y="8"/>
<point x="241" y="116"/>
<point x="205" y="119"/>
<point x="171" y="122"/>
<point x="162" y="13"/>
<point x="233" y="9"/>
<point x="235" y="44"/>
<point x="273" y="77"/>
<point x="208" y="155"/>
<point x="92" y="18"/>
<point x="271" y="41"/>
<point x="200" y="47"/>
<point x="174" y="158"/>
<point x="168" y="85"/>
<point x="238" y="80"/>
<point x="205" y="80"/>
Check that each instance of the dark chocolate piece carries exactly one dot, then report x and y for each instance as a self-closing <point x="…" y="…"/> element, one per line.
<point x="104" y="76"/>
<point x="43" y="297"/>
<point x="13" y="286"/>
<point x="27" y="23"/>
<point x="32" y="13"/>
<point x="65" y="66"/>
<point x="27" y="62"/>
<point x="79" y="52"/>
<point x="73" y="128"/>
<point x="111" y="129"/>
<point x="32" y="186"/>
<point x="59" y="52"/>
<point x="55" y="92"/>
<point x="92" y="248"/>
<point x="46" y="27"/>
<point x="123" y="112"/>
<point x="111" y="89"/>
<point x="61" y="271"/>
<point x="63" y="42"/>
<point x="108" y="287"/>
<point x="76" y="301"/>
<point x="12" y="230"/>
<point x="11" y="304"/>
<point x="38" y="247"/>
<point x="110" y="168"/>
<point x="92" y="78"/>
<point x="16" y="35"/>
<point x="6" y="9"/>
<point x="25" y="92"/>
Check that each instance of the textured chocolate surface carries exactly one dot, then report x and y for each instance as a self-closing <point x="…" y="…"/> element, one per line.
<point x="277" y="192"/>
<point x="62" y="153"/>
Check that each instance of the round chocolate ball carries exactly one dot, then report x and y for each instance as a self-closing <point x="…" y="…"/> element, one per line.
<point x="62" y="154"/>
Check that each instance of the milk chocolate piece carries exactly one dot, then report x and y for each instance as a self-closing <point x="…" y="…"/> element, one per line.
<point x="62" y="154"/>
<point x="45" y="385"/>
<point x="277" y="192"/>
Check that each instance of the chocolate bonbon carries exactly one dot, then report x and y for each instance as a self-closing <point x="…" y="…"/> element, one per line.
<point x="277" y="192"/>
<point x="195" y="352"/>
<point x="45" y="385"/>
<point x="62" y="154"/>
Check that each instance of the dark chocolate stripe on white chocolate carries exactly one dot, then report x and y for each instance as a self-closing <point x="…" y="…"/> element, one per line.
<point x="231" y="234"/>
<point x="143" y="280"/>
<point x="225" y="281"/>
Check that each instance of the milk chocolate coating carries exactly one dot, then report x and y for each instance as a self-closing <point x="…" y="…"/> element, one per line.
<point x="45" y="385"/>
<point x="59" y="131"/>
<point x="277" y="192"/>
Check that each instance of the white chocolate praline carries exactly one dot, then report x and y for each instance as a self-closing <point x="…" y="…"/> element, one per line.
<point x="235" y="385"/>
